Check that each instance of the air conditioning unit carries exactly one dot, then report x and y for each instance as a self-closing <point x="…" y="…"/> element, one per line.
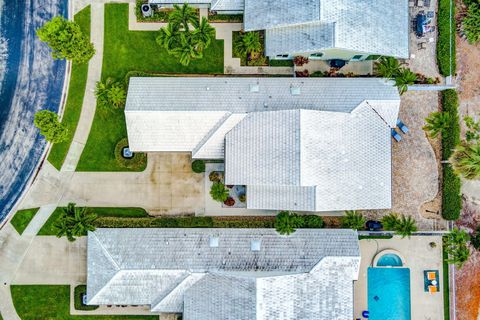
<point x="147" y="10"/>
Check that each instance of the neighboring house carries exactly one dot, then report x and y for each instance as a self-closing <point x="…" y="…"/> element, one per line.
<point x="323" y="29"/>
<point x="219" y="6"/>
<point x="222" y="274"/>
<point x="304" y="144"/>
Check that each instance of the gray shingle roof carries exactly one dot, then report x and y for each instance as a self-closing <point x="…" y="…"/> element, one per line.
<point x="176" y="114"/>
<point x="266" y="14"/>
<point x="304" y="159"/>
<point x="172" y="269"/>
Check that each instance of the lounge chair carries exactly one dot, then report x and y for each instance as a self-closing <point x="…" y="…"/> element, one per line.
<point x="402" y="126"/>
<point x="432" y="289"/>
<point x="396" y="135"/>
<point x="431" y="275"/>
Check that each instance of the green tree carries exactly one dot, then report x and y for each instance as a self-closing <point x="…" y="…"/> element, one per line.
<point x="437" y="123"/>
<point x="390" y="221"/>
<point x="465" y="160"/>
<point x="110" y="93"/>
<point x="455" y="244"/>
<point x="286" y="222"/>
<point x="74" y="222"/>
<point x="50" y="127"/>
<point x="183" y="16"/>
<point x="353" y="220"/>
<point x="471" y="23"/>
<point x="248" y="43"/>
<point x="66" y="40"/>
<point x="169" y="37"/>
<point x="312" y="221"/>
<point x="203" y="35"/>
<point x="404" y="78"/>
<point x="187" y="51"/>
<point x="219" y="192"/>
<point x="473" y="132"/>
<point x="388" y="67"/>
<point x="405" y="226"/>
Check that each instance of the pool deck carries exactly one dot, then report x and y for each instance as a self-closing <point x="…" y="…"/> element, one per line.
<point x="419" y="256"/>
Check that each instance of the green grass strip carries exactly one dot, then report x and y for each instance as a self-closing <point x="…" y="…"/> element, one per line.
<point x="33" y="302"/>
<point x="446" y="287"/>
<point x="446" y="29"/>
<point x="76" y="93"/>
<point x="126" y="51"/>
<point x="22" y="218"/>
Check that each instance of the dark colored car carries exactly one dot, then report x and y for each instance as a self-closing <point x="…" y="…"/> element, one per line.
<point x="373" y="225"/>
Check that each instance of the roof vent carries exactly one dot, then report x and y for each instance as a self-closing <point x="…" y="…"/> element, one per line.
<point x="254" y="87"/>
<point x="208" y="88"/>
<point x="295" y="91"/>
<point x="213" y="242"/>
<point x="265" y="105"/>
<point x="255" y="245"/>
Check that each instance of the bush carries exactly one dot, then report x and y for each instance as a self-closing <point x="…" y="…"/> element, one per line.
<point x="225" y="17"/>
<point x="471" y="23"/>
<point x="219" y="192"/>
<point x="390" y="221"/>
<point x="78" y="292"/>
<point x="300" y="61"/>
<point x="244" y="222"/>
<point x="280" y="63"/>
<point x="216" y="176"/>
<point x="353" y="220"/>
<point x="110" y="94"/>
<point x="137" y="162"/>
<point x="452" y="198"/>
<point x="446" y="26"/>
<point x="455" y="244"/>
<point x="475" y="238"/>
<point x="312" y="221"/>
<point x="164" y="222"/>
<point x="50" y="127"/>
<point x="286" y="222"/>
<point x="198" y="166"/>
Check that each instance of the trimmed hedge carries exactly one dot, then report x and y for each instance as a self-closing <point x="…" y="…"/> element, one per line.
<point x="280" y="63"/>
<point x="198" y="166"/>
<point x="443" y="41"/>
<point x="225" y="18"/>
<point x="452" y="197"/>
<point x="77" y="301"/>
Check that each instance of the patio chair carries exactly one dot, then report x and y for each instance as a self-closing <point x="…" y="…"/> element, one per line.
<point x="396" y="136"/>
<point x="402" y="126"/>
<point x="431" y="275"/>
<point x="422" y="45"/>
<point x="432" y="289"/>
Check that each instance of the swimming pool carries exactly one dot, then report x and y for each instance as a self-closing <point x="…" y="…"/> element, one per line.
<point x="389" y="293"/>
<point x="389" y="260"/>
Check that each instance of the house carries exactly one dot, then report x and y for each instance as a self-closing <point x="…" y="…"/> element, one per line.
<point x="303" y="144"/>
<point x="351" y="30"/>
<point x="221" y="274"/>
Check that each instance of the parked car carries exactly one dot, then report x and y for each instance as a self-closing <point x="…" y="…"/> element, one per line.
<point x="373" y="225"/>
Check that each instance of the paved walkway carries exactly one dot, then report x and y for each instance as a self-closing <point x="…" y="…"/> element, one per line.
<point x="89" y="100"/>
<point x="39" y="220"/>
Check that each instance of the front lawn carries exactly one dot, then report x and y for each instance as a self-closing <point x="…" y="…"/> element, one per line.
<point x="76" y="92"/>
<point x="126" y="51"/>
<point x="49" y="230"/>
<point x="22" y="218"/>
<point x="53" y="302"/>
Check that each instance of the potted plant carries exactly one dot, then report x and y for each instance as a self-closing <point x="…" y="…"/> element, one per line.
<point x="242" y="197"/>
<point x="229" y="202"/>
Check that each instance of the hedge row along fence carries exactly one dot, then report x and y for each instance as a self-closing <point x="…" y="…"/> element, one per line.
<point x="452" y="198"/>
<point x="446" y="30"/>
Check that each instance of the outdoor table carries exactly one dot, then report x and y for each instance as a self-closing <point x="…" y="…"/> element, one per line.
<point x="421" y="24"/>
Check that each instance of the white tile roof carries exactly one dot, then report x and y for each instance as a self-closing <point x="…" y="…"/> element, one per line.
<point x="176" y="270"/>
<point x="227" y="5"/>
<point x="345" y="157"/>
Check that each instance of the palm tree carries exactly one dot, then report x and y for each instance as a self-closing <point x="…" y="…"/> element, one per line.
<point x="404" y="78"/>
<point x="203" y="34"/>
<point x="63" y="227"/>
<point x="117" y="95"/>
<point x="465" y="160"/>
<point x="168" y="37"/>
<point x="219" y="192"/>
<point x="390" y="221"/>
<point x="187" y="52"/>
<point x="437" y="123"/>
<point x="74" y="222"/>
<point x="249" y="43"/>
<point x="183" y="16"/>
<point x="101" y="91"/>
<point x="406" y="226"/>
<point x="286" y="222"/>
<point x="353" y="220"/>
<point x="388" y="67"/>
<point x="456" y="247"/>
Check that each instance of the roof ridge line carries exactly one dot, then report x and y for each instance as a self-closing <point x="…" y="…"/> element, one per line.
<point x="104" y="286"/>
<point x="154" y="301"/>
<point x="106" y="253"/>
<point x="211" y="133"/>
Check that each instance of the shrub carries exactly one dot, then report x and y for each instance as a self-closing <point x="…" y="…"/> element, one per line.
<point x="450" y="106"/>
<point x="50" y="127"/>
<point x="312" y="221"/>
<point x="302" y="74"/>
<point x="286" y="222"/>
<point x="216" y="176"/>
<point x="280" y="63"/>
<point x="437" y="123"/>
<point x="353" y="220"/>
<point x="79" y="291"/>
<point x="242" y="197"/>
<point x="248" y="43"/>
<point x="219" y="192"/>
<point x="300" y="61"/>
<point x="446" y="27"/>
<point x="465" y="160"/>
<point x="390" y="221"/>
<point x="137" y="162"/>
<point x="230" y="202"/>
<point x="164" y="222"/>
<point x="471" y="23"/>
<point x="244" y="222"/>
<point x="405" y="226"/>
<point x="66" y="40"/>
<point x="473" y="132"/>
<point x="455" y="244"/>
<point x="110" y="94"/>
<point x="388" y="67"/>
<point x="475" y="238"/>
<point x="198" y="166"/>
<point x="452" y="195"/>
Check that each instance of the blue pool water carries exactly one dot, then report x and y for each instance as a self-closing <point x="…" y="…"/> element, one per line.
<point x="389" y="293"/>
<point x="30" y="80"/>
<point x="389" y="259"/>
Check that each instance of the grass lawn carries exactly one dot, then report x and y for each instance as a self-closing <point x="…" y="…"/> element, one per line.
<point x="52" y="302"/>
<point x="446" y="288"/>
<point x="22" y="218"/>
<point x="76" y="92"/>
<point x="126" y="51"/>
<point x="49" y="230"/>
